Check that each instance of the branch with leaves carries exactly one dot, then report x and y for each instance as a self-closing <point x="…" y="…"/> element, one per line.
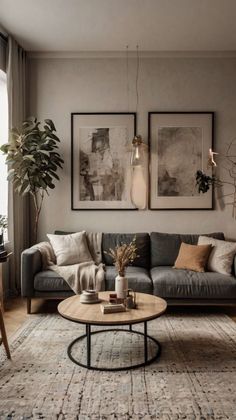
<point x="33" y="161"/>
<point x="228" y="163"/>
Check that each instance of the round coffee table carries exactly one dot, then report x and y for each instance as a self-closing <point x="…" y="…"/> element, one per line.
<point x="148" y="307"/>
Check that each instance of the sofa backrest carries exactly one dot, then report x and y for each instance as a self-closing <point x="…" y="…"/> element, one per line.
<point x="111" y="240"/>
<point x="165" y="246"/>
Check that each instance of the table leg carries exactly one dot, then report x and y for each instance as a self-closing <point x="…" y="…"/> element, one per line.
<point x="145" y="342"/>
<point x="88" y="333"/>
<point x="4" y="335"/>
<point x="1" y="288"/>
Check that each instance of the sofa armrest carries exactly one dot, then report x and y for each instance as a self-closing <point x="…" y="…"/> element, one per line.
<point x="31" y="264"/>
<point x="234" y="267"/>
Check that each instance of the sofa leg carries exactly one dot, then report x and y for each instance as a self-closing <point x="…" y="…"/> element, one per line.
<point x="28" y="306"/>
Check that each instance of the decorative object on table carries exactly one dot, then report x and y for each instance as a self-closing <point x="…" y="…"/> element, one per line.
<point x="227" y="163"/>
<point x="130" y="301"/>
<point x="113" y="299"/>
<point x="33" y="158"/>
<point x="3" y="227"/>
<point x="178" y="143"/>
<point x="122" y="256"/>
<point x="100" y="170"/>
<point x="89" y="296"/>
<point x="108" y="308"/>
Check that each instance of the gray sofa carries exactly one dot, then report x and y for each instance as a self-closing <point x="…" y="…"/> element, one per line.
<point x="152" y="272"/>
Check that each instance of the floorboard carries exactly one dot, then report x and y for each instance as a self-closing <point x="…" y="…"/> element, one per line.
<point x="15" y="311"/>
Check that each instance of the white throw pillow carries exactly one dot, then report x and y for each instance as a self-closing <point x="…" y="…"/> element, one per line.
<point x="70" y="249"/>
<point x="221" y="256"/>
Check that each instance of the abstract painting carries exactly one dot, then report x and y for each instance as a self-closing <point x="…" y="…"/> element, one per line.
<point x="179" y="144"/>
<point x="101" y="175"/>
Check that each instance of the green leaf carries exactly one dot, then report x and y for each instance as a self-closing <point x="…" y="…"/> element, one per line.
<point x="50" y="124"/>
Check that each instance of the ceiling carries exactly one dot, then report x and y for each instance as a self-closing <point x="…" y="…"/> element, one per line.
<point x="110" y="25"/>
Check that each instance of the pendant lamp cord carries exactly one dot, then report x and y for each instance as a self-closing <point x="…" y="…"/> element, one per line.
<point x="137" y="79"/>
<point x="127" y="74"/>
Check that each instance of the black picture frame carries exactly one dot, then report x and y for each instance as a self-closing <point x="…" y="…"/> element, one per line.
<point x="200" y="201"/>
<point x="104" y="141"/>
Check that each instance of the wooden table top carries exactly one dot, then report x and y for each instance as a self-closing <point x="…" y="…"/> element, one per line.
<point x="148" y="307"/>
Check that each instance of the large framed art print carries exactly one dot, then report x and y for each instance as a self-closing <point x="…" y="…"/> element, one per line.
<point x="179" y="144"/>
<point x="100" y="154"/>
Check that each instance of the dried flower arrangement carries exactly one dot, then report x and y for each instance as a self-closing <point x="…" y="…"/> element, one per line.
<point x="228" y="164"/>
<point x="122" y="255"/>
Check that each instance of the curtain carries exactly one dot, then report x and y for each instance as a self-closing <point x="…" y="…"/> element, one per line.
<point x="18" y="207"/>
<point x="3" y="50"/>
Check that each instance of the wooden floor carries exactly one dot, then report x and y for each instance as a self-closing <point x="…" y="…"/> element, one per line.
<point x="15" y="311"/>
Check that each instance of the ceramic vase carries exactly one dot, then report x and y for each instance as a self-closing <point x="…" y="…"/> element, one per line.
<point x="121" y="286"/>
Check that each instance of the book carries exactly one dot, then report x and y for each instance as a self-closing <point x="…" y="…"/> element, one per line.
<point x="112" y="308"/>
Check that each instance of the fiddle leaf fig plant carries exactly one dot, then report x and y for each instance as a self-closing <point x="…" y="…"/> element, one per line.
<point x="33" y="160"/>
<point x="3" y="223"/>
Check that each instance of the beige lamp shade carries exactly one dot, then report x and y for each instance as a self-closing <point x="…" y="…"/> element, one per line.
<point x="139" y="187"/>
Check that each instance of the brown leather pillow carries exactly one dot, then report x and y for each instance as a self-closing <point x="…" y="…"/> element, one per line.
<point x="193" y="257"/>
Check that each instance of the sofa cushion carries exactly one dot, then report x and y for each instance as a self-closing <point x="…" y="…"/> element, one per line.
<point x="49" y="281"/>
<point x="171" y="283"/>
<point x="70" y="248"/>
<point x="111" y="240"/>
<point x="222" y="255"/>
<point x="138" y="279"/>
<point x="165" y="246"/>
<point x="193" y="257"/>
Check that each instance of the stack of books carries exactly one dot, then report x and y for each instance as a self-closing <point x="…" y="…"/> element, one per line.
<point x="108" y="308"/>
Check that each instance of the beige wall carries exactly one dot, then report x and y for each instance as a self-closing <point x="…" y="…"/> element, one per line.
<point x="61" y="86"/>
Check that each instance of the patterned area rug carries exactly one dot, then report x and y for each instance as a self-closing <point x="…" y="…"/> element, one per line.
<point x="195" y="378"/>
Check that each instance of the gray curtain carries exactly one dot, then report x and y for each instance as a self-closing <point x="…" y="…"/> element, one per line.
<point x="3" y="53"/>
<point x="18" y="207"/>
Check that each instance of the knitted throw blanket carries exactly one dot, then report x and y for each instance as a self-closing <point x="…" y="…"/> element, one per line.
<point x="86" y="275"/>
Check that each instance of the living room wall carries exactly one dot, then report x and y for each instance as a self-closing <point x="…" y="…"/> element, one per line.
<point x="59" y="86"/>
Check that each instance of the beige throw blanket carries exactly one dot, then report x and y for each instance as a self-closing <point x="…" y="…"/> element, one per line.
<point x="86" y="275"/>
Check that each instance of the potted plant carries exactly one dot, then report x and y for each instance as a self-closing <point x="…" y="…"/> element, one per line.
<point x="122" y="256"/>
<point x="33" y="160"/>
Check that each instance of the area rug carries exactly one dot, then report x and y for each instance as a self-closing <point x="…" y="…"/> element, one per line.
<point x="195" y="377"/>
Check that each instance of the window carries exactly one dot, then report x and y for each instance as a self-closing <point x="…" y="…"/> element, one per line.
<point x="3" y="139"/>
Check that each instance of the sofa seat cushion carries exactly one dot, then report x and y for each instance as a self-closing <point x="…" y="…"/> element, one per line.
<point x="49" y="281"/>
<point x="138" y="279"/>
<point x="171" y="283"/>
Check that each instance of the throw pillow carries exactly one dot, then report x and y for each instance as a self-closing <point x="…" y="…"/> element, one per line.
<point x="193" y="257"/>
<point x="222" y="255"/>
<point x="70" y="249"/>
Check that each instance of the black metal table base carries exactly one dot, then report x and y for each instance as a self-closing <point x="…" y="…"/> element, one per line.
<point x="130" y="330"/>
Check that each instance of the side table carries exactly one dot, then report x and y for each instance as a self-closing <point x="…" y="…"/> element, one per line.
<point x="1" y="279"/>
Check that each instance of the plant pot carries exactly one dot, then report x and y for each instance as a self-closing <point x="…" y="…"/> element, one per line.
<point x="121" y="286"/>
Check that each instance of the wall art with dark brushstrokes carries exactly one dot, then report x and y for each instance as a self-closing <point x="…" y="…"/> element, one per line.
<point x="179" y="144"/>
<point x="101" y="173"/>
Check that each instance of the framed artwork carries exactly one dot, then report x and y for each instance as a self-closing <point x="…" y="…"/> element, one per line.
<point x="100" y="154"/>
<point x="179" y="144"/>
